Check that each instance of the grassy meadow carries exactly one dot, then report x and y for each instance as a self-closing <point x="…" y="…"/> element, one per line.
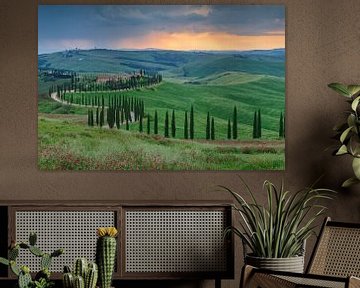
<point x="211" y="82"/>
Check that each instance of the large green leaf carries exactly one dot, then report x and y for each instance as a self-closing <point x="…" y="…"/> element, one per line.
<point x="340" y="88"/>
<point x="345" y="90"/>
<point x="356" y="167"/>
<point x="345" y="134"/>
<point x="342" y="150"/>
<point x="353" y="89"/>
<point x="355" y="103"/>
<point x="349" y="182"/>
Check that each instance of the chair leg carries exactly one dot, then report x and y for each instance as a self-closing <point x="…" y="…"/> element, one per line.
<point x="217" y="283"/>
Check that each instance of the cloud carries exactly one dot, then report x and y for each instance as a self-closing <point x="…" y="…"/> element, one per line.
<point x="201" y="41"/>
<point x="101" y="24"/>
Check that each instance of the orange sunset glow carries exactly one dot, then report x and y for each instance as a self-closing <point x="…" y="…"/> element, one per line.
<point x="203" y="41"/>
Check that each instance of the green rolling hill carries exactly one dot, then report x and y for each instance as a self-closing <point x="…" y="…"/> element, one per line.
<point x="212" y="82"/>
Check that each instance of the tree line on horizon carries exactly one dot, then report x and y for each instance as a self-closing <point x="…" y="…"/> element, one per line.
<point x="98" y="82"/>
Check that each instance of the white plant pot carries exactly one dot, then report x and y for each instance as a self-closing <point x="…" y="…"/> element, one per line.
<point x="291" y="264"/>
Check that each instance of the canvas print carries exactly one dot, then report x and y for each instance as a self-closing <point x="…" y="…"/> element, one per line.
<point x="161" y="87"/>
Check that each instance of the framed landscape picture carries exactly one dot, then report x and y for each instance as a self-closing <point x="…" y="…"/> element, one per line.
<point x="161" y="87"/>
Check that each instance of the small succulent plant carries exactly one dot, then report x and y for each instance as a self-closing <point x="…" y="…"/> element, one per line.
<point x="42" y="278"/>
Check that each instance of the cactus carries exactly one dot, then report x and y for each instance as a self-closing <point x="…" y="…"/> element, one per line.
<point x="89" y="272"/>
<point x="105" y="255"/>
<point x="67" y="269"/>
<point x="79" y="282"/>
<point x="24" y="278"/>
<point x="91" y="276"/>
<point x="45" y="261"/>
<point x="32" y="239"/>
<point x="43" y="274"/>
<point x="36" y="251"/>
<point x="68" y="280"/>
<point x="80" y="267"/>
<point x="14" y="268"/>
<point x="13" y="253"/>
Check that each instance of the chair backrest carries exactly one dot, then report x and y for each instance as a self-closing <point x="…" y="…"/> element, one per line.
<point x="337" y="251"/>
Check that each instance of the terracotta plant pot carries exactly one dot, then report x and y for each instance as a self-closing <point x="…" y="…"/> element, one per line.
<point x="291" y="264"/>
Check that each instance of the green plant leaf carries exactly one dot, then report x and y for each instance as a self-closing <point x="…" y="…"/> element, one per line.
<point x="353" y="89"/>
<point x="345" y="134"/>
<point x="355" y="103"/>
<point x="4" y="261"/>
<point x="351" y="120"/>
<point x="349" y="182"/>
<point x="354" y="145"/>
<point x="356" y="167"/>
<point x="340" y="88"/>
<point x="342" y="150"/>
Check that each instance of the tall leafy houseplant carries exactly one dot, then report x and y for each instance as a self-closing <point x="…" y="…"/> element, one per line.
<point x="349" y="131"/>
<point x="280" y="228"/>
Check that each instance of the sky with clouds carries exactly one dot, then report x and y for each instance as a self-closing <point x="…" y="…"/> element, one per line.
<point x="174" y="27"/>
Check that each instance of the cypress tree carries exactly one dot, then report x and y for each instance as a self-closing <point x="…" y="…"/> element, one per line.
<point x="259" y="124"/>
<point x="186" y="129"/>
<point x="91" y="118"/>
<point x="192" y="122"/>
<point x="117" y="117"/>
<point x="156" y="126"/>
<point x="173" y="125"/>
<point x="88" y="118"/>
<point x="148" y="124"/>
<point x="141" y="124"/>
<point x="102" y="117"/>
<point x="122" y="116"/>
<point x="229" y="129"/>
<point x="255" y="126"/>
<point x="166" y="129"/>
<point x="208" y="126"/>
<point x="284" y="126"/>
<point x="235" y="132"/>
<point x="212" y="132"/>
<point x="281" y="126"/>
<point x="127" y="125"/>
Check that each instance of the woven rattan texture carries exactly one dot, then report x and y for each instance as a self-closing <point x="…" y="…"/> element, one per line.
<point x="75" y="231"/>
<point x="175" y="241"/>
<point x="260" y="280"/>
<point x="338" y="253"/>
<point x="306" y="282"/>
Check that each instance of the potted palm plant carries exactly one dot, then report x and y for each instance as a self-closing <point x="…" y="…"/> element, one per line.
<point x="275" y="234"/>
<point x="348" y="132"/>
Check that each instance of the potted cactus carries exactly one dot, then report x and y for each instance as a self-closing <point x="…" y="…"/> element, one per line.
<point x="42" y="278"/>
<point x="106" y="254"/>
<point x="84" y="275"/>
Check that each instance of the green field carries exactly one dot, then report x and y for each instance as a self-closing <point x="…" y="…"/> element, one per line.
<point x="68" y="144"/>
<point x="211" y="82"/>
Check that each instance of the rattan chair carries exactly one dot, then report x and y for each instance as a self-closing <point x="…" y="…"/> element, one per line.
<point x="335" y="262"/>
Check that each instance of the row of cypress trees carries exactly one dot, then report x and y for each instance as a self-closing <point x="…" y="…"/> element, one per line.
<point x="106" y="83"/>
<point x="117" y="116"/>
